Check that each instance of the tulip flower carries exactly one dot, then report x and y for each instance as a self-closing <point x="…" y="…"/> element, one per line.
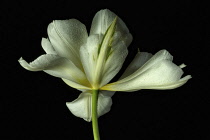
<point x="89" y="62"/>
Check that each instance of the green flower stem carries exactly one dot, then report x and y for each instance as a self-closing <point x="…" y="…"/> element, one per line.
<point x="95" y="115"/>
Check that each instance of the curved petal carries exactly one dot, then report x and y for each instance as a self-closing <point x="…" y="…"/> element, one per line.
<point x="66" y="37"/>
<point x="110" y="67"/>
<point x="103" y="19"/>
<point x="41" y="63"/>
<point x="162" y="75"/>
<point x="159" y="56"/>
<point x="89" y="55"/>
<point x="106" y="48"/>
<point x="59" y="67"/>
<point x="140" y="59"/>
<point x="114" y="62"/>
<point x="47" y="46"/>
<point x="82" y="106"/>
<point x="107" y="93"/>
<point x="75" y="85"/>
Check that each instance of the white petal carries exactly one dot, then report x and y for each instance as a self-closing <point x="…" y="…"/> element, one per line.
<point x="177" y="84"/>
<point x="76" y="85"/>
<point x="67" y="36"/>
<point x="106" y="49"/>
<point x="47" y="46"/>
<point x="59" y="67"/>
<point x="89" y="55"/>
<point x="103" y="19"/>
<point x="103" y="52"/>
<point x="89" y="58"/>
<point x="82" y="106"/>
<point x="162" y="75"/>
<point x="182" y="65"/>
<point x="114" y="62"/>
<point x="159" y="56"/>
<point x="140" y="59"/>
<point x="41" y="63"/>
<point x="107" y="93"/>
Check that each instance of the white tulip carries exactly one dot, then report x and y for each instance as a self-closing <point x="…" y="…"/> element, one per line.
<point x="89" y="62"/>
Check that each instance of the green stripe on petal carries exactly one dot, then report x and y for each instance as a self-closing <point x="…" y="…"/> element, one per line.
<point x="104" y="51"/>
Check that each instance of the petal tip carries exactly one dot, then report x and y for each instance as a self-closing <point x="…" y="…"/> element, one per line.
<point x="20" y="59"/>
<point x="182" y="65"/>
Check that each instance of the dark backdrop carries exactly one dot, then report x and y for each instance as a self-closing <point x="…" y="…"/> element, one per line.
<point x="33" y="103"/>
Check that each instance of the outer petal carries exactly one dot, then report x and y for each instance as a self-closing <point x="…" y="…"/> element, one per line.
<point x="59" y="67"/>
<point x="107" y="93"/>
<point x="140" y="59"/>
<point x="159" y="72"/>
<point x="47" y="46"/>
<point x="66" y="37"/>
<point x="159" y="56"/>
<point x="82" y="106"/>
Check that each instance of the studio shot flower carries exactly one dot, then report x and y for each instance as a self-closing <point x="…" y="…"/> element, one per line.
<point x="88" y="62"/>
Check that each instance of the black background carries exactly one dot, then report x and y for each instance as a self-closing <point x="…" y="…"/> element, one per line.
<point x="33" y="103"/>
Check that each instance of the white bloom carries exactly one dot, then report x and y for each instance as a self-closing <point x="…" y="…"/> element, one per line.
<point x="90" y="62"/>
